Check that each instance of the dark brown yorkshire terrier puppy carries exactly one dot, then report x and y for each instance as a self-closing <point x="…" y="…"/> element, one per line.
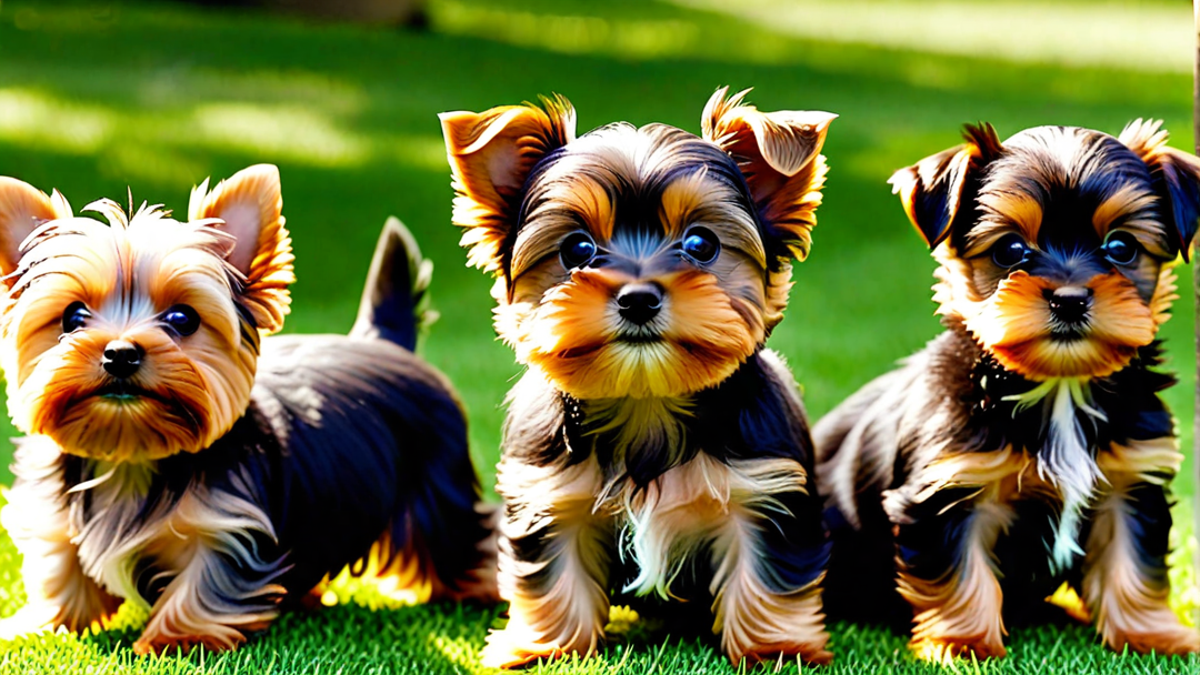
<point x="1027" y="446"/>
<point x="172" y="464"/>
<point x="638" y="273"/>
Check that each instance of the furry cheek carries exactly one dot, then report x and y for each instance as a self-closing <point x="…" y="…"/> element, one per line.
<point x="572" y="337"/>
<point x="1014" y="326"/>
<point x="63" y="399"/>
<point x="575" y="318"/>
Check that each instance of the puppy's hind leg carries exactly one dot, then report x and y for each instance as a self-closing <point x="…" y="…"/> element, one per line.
<point x="442" y="542"/>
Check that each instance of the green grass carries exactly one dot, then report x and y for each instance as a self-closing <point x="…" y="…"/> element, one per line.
<point x="95" y="97"/>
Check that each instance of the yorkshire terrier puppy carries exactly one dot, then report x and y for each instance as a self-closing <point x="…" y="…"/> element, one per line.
<point x="638" y="273"/>
<point x="171" y="463"/>
<point x="1027" y="446"/>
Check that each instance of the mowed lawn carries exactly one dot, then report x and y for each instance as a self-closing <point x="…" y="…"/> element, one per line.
<point x="95" y="97"/>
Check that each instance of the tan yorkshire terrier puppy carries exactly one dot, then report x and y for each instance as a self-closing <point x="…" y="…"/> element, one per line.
<point x="1027" y="446"/>
<point x="653" y="445"/>
<point x="172" y="464"/>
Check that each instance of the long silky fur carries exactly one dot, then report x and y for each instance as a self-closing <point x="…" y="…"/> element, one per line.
<point x="728" y="507"/>
<point x="669" y="456"/>
<point x="1004" y="459"/>
<point x="351" y="448"/>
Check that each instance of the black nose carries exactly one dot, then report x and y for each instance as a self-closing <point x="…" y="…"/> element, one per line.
<point x="121" y="358"/>
<point x="639" y="303"/>
<point x="1069" y="304"/>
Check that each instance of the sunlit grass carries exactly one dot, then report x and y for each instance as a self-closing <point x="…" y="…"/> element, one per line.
<point x="39" y="122"/>
<point x="290" y="133"/>
<point x="1185" y="592"/>
<point x="572" y="33"/>
<point x="1128" y="36"/>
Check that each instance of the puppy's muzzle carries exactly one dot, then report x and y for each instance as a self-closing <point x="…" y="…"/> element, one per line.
<point x="121" y="359"/>
<point x="639" y="303"/>
<point x="1069" y="304"/>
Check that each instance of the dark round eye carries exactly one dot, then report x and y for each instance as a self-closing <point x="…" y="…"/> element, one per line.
<point x="182" y="319"/>
<point x="701" y="245"/>
<point x="1010" y="251"/>
<point x="74" y="317"/>
<point x="577" y="250"/>
<point x="1121" y="248"/>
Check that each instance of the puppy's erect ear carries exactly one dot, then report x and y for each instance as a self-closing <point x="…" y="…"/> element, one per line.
<point x="1176" y="176"/>
<point x="491" y="154"/>
<point x="932" y="189"/>
<point x="22" y="209"/>
<point x="779" y="155"/>
<point x="250" y="206"/>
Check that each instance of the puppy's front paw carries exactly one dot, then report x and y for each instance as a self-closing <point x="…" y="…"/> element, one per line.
<point x="513" y="647"/>
<point x="29" y="620"/>
<point x="767" y="654"/>
<point x="158" y="639"/>
<point x="1169" y="639"/>
<point x="945" y="649"/>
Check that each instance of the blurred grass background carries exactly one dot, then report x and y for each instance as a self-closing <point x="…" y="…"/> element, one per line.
<point x="96" y="96"/>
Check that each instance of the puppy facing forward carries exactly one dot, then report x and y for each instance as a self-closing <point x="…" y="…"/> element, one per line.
<point x="1027" y="445"/>
<point x="171" y="463"/>
<point x="638" y="273"/>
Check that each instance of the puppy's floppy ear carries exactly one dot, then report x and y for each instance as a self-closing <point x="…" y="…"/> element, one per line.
<point x="1176" y="176"/>
<point x="779" y="155"/>
<point x="249" y="203"/>
<point x="22" y="209"/>
<point x="932" y="189"/>
<point x="491" y="154"/>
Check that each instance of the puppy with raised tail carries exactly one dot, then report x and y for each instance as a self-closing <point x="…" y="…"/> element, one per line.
<point x="179" y="459"/>
<point x="653" y="442"/>
<point x="1027" y="446"/>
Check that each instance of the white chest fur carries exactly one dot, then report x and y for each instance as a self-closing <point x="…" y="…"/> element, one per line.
<point x="1066" y="460"/>
<point x="702" y="504"/>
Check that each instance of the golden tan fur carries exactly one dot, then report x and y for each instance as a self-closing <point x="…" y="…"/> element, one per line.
<point x="776" y="152"/>
<point x="566" y="611"/>
<point x="1011" y="325"/>
<point x="192" y="389"/>
<point x="525" y="187"/>
<point x="79" y="571"/>
<point x="703" y="505"/>
<point x="1007" y="312"/>
<point x="488" y="152"/>
<point x="960" y="615"/>
<point x="58" y="591"/>
<point x="1035" y="421"/>
<point x="250" y="207"/>
<point x="131" y="271"/>
<point x="1129" y="609"/>
<point x="570" y="337"/>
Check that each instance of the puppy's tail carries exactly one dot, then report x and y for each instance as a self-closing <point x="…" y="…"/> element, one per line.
<point x="395" y="300"/>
